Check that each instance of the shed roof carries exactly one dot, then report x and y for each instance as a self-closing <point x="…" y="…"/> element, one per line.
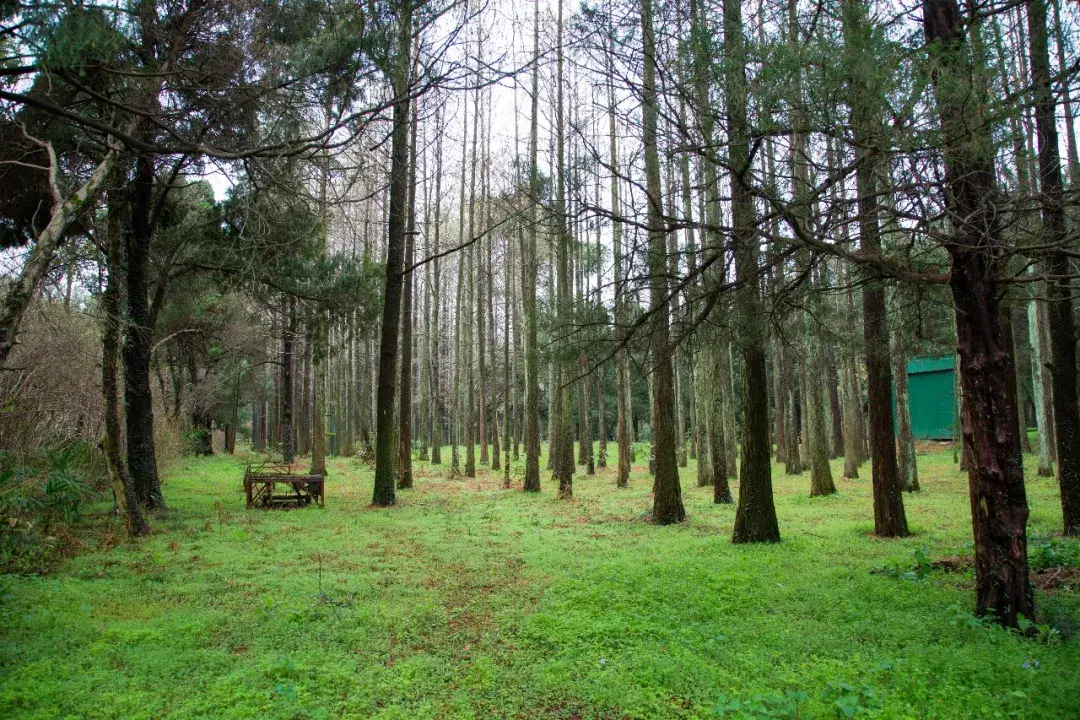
<point x="930" y="364"/>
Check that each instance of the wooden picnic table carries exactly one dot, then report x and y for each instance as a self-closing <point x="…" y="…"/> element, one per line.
<point x="261" y="487"/>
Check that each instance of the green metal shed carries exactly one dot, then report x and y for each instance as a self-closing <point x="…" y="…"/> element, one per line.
<point x="931" y="397"/>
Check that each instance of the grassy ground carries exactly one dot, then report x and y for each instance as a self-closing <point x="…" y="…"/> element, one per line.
<point x="470" y="601"/>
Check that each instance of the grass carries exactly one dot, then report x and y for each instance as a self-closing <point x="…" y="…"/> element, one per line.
<point x="470" y="601"/>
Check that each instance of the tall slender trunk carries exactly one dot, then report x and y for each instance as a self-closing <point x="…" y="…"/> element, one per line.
<point x="755" y="517"/>
<point x="889" y="517"/>
<point x="320" y="330"/>
<point x="1059" y="286"/>
<point x="528" y="283"/>
<point x="405" y="403"/>
<point x="907" y="465"/>
<point x="508" y="293"/>
<point x="622" y="372"/>
<point x="288" y="448"/>
<point x="457" y="362"/>
<point x="836" y="414"/>
<point x="1066" y="101"/>
<point x="562" y="441"/>
<point x="667" y="493"/>
<point x="437" y="413"/>
<point x="471" y="304"/>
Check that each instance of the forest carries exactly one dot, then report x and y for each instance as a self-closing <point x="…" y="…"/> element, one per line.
<point x="603" y="359"/>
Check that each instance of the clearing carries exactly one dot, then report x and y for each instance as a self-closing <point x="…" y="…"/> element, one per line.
<point x="470" y="601"/>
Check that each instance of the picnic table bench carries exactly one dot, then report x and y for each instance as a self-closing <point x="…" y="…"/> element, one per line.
<point x="261" y="487"/>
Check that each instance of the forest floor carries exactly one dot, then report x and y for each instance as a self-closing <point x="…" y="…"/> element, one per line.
<point x="470" y="601"/>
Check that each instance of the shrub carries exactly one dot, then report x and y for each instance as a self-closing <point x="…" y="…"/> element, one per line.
<point x="35" y="501"/>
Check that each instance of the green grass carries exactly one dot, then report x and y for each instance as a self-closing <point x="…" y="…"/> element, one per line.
<point x="470" y="601"/>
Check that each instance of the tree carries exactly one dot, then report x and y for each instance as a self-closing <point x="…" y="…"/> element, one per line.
<point x="1060" y="306"/>
<point x="667" y="494"/>
<point x="385" y="466"/>
<point x="755" y="516"/>
<point x="528" y="283"/>
<point x="889" y="517"/>
<point x="996" y="477"/>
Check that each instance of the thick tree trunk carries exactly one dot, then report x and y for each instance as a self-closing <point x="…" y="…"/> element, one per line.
<point x="996" y="476"/>
<point x="384" y="494"/>
<point x="138" y="341"/>
<point x="127" y="502"/>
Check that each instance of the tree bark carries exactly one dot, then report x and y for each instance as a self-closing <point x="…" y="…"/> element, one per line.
<point x="755" y="516"/>
<point x="288" y="448"/>
<point x="1059" y="286"/>
<point x="384" y="494"/>
<point x="528" y="285"/>
<point x="622" y="373"/>
<point x="138" y="341"/>
<point x="562" y="440"/>
<point x="667" y="493"/>
<point x="127" y="502"/>
<point x="996" y="477"/>
<point x="907" y="465"/>
<point x="405" y="413"/>
<point x="889" y="517"/>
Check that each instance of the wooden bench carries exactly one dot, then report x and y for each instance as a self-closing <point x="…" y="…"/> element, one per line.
<point x="261" y="487"/>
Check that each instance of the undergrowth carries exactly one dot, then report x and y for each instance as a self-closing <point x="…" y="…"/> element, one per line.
<point x="470" y="601"/>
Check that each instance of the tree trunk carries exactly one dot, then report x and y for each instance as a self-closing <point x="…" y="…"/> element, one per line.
<point x="319" y="338"/>
<point x="63" y="213"/>
<point x="288" y="448"/>
<point x="528" y="285"/>
<point x="718" y="471"/>
<point x="138" y="341"/>
<point x="907" y="465"/>
<point x="561" y="441"/>
<point x="755" y="517"/>
<point x="127" y="502"/>
<point x="667" y="493"/>
<point x="836" y="414"/>
<point x="889" y="517"/>
<point x="405" y="414"/>
<point x="996" y="476"/>
<point x="1059" y="286"/>
<point x="384" y="494"/>
<point x="622" y="373"/>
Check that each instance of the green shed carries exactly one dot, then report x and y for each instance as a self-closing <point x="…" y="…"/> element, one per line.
<point x="931" y="398"/>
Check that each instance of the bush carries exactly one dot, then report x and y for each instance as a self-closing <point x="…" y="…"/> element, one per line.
<point x="36" y="501"/>
<point x="1045" y="552"/>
